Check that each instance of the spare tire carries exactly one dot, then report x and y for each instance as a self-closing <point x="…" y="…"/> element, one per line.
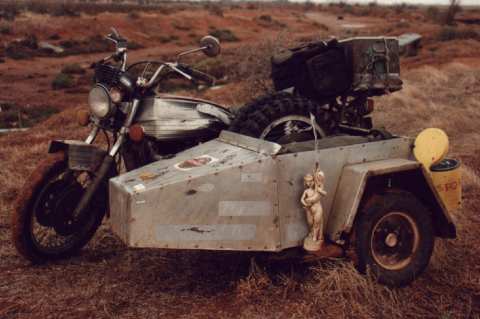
<point x="284" y="118"/>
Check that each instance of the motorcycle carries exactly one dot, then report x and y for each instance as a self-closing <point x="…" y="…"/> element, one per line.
<point x="64" y="201"/>
<point x="66" y="198"/>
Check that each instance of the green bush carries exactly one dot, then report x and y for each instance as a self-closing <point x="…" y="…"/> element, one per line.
<point x="63" y="81"/>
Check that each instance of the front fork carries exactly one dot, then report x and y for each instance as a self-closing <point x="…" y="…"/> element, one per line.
<point x="107" y="162"/>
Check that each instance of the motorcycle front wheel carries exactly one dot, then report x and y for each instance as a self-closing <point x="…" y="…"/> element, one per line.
<point x="43" y="227"/>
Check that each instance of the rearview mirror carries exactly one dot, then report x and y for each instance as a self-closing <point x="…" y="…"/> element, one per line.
<point x="210" y="46"/>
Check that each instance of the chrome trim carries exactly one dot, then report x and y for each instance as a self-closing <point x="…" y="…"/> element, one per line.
<point x="91" y="137"/>
<point x="124" y="130"/>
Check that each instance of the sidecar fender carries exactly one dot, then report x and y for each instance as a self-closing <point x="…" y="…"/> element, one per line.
<point x="359" y="181"/>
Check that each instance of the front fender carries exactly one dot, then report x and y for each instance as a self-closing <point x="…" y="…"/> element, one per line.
<point x="81" y="156"/>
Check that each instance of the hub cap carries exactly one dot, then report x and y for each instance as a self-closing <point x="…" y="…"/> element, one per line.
<point x="394" y="240"/>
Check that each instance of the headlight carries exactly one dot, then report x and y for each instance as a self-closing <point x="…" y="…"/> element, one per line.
<point x="100" y="102"/>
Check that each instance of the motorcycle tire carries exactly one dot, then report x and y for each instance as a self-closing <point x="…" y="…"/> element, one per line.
<point x="259" y="118"/>
<point x="26" y="213"/>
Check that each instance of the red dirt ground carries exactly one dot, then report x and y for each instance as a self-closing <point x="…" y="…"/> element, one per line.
<point x="109" y="280"/>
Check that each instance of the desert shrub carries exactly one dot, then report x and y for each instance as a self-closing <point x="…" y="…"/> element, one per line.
<point x="64" y="9"/>
<point x="74" y="68"/>
<point x="8" y="11"/>
<point x="216" y="67"/>
<point x="54" y="37"/>
<point x="215" y="9"/>
<point x="5" y="29"/>
<point x="167" y="39"/>
<point x="30" y="41"/>
<point x="266" y="21"/>
<point x="22" y="49"/>
<point x="68" y="44"/>
<point x="432" y="13"/>
<point x="449" y="33"/>
<point x="181" y="25"/>
<point x="452" y="10"/>
<point x="15" y="116"/>
<point x="252" y="6"/>
<point x="400" y="8"/>
<point x="225" y="35"/>
<point x="349" y="9"/>
<point x="402" y="24"/>
<point x="132" y="45"/>
<point x="133" y="15"/>
<point x="308" y="6"/>
<point x="63" y="81"/>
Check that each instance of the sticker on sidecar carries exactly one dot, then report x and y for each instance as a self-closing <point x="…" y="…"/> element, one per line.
<point x="195" y="162"/>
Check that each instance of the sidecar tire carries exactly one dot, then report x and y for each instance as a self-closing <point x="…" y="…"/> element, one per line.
<point x="22" y="214"/>
<point x="254" y="118"/>
<point x="392" y="263"/>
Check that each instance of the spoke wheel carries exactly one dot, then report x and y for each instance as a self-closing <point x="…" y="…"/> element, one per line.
<point x="292" y="128"/>
<point x="43" y="226"/>
<point x="284" y="118"/>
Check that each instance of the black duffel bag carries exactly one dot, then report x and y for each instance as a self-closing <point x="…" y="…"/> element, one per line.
<point x="317" y="69"/>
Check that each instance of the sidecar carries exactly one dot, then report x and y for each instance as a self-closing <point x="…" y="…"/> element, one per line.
<point x="241" y="193"/>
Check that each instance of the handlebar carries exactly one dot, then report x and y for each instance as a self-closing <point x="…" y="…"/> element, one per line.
<point x="198" y="75"/>
<point x="186" y="71"/>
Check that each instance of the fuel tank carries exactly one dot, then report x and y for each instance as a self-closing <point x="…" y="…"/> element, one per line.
<point x="168" y="118"/>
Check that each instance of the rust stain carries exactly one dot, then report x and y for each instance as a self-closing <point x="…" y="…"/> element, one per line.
<point x="191" y="192"/>
<point x="197" y="230"/>
<point x="147" y="176"/>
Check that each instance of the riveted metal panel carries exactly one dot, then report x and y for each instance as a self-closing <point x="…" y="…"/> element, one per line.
<point x="292" y="168"/>
<point x="212" y="206"/>
<point x="350" y="191"/>
<point x="244" y="197"/>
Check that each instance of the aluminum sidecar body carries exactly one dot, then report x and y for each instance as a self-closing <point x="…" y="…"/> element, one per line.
<point x="242" y="193"/>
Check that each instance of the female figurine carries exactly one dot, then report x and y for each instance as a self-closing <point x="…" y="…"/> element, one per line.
<point x="313" y="207"/>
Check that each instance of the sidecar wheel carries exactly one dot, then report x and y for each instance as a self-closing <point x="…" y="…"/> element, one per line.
<point x="283" y="118"/>
<point x="41" y="227"/>
<point x="394" y="238"/>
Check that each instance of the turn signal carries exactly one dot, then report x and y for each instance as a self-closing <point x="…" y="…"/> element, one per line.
<point x="116" y="95"/>
<point x="83" y="117"/>
<point x="136" y="133"/>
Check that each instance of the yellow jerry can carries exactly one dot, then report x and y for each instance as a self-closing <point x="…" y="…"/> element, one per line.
<point x="446" y="177"/>
<point x="431" y="147"/>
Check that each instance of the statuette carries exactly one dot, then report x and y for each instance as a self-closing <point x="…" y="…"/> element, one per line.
<point x="311" y="201"/>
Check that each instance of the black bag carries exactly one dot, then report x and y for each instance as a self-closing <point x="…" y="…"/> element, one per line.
<point x="329" y="73"/>
<point x="315" y="69"/>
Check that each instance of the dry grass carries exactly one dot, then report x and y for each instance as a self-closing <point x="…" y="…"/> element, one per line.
<point x="110" y="281"/>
